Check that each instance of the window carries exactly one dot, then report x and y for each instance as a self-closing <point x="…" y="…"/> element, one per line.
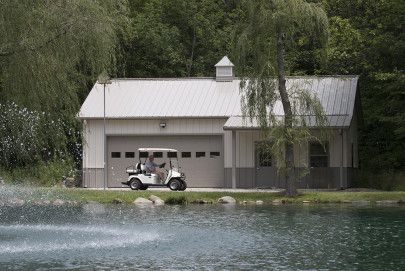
<point x="263" y="154"/>
<point x="143" y="154"/>
<point x="172" y="155"/>
<point x="115" y="154"/>
<point x="200" y="154"/>
<point x="224" y="71"/>
<point x="318" y="154"/>
<point x="186" y="154"/>
<point x="129" y="155"/>
<point x="158" y="154"/>
<point x="214" y="154"/>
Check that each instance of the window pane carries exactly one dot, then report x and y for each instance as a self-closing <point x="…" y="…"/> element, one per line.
<point x="115" y="155"/>
<point x="143" y="154"/>
<point x="318" y="149"/>
<point x="199" y="154"/>
<point x="214" y="154"/>
<point x="172" y="155"/>
<point x="264" y="158"/>
<point x="319" y="155"/>
<point x="129" y="155"/>
<point x="263" y="154"/>
<point x="158" y="154"/>
<point x="186" y="154"/>
<point x="319" y="161"/>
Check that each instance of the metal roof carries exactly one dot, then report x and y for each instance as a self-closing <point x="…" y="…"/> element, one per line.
<point x="224" y="62"/>
<point x="207" y="98"/>
<point x="241" y="123"/>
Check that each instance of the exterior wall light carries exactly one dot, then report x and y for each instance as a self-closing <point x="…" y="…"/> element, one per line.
<point x="162" y="125"/>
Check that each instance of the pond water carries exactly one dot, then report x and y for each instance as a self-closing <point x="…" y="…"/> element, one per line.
<point x="213" y="237"/>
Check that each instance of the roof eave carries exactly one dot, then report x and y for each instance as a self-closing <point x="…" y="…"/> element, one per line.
<point x="153" y="117"/>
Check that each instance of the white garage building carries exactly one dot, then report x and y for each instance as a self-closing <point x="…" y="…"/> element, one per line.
<point x="201" y="117"/>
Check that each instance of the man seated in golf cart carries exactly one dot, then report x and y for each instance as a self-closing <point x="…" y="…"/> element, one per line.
<point x="151" y="167"/>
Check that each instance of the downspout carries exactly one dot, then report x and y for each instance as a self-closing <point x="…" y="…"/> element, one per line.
<point x="84" y="166"/>
<point x="105" y="146"/>
<point x="233" y="159"/>
<point x="341" y="159"/>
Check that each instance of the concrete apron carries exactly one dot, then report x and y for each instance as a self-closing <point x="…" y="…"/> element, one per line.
<point x="197" y="189"/>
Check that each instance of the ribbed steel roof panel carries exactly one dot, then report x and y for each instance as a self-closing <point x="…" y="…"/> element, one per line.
<point x="205" y="97"/>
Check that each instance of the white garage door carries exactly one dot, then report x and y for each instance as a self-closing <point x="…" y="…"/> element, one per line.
<point x="200" y="157"/>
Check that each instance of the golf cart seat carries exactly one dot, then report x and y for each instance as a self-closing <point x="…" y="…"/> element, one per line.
<point x="133" y="170"/>
<point x="143" y="168"/>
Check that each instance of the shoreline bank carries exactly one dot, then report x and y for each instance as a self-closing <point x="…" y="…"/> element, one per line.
<point x="82" y="195"/>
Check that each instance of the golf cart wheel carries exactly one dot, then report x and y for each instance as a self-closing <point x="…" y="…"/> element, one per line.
<point x="183" y="185"/>
<point x="144" y="187"/>
<point x="135" y="184"/>
<point x="175" y="185"/>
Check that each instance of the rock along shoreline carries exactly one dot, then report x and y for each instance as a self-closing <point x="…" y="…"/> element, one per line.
<point x="153" y="200"/>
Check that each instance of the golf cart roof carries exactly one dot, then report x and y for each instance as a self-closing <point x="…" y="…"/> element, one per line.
<point x="157" y="149"/>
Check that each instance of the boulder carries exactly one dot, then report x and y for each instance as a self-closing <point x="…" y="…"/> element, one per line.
<point x="156" y="200"/>
<point x="201" y="201"/>
<point x="246" y="202"/>
<point x="70" y="182"/>
<point x="306" y="201"/>
<point x="17" y="202"/>
<point x="387" y="202"/>
<point x="58" y="202"/>
<point x="142" y="201"/>
<point x="117" y="201"/>
<point x="259" y="202"/>
<point x="159" y="202"/>
<point x="227" y="200"/>
<point x="277" y="201"/>
<point x="361" y="202"/>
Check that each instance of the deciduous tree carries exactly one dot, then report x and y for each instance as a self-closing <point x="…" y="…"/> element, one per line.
<point x="271" y="28"/>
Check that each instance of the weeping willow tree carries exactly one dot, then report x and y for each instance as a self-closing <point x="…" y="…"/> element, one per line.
<point x="48" y="49"/>
<point x="50" y="53"/>
<point x="271" y="29"/>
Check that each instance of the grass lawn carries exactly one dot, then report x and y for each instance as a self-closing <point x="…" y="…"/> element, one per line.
<point x="129" y="196"/>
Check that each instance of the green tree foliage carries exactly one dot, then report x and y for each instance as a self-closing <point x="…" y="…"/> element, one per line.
<point x="50" y="49"/>
<point x="50" y="52"/>
<point x="271" y="29"/>
<point x="179" y="37"/>
<point x="344" y="48"/>
<point x="368" y="38"/>
<point x="28" y="137"/>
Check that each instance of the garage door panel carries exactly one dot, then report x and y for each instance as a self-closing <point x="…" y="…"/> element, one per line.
<point x="200" y="172"/>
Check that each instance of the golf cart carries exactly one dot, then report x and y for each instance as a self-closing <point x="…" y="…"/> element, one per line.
<point x="140" y="179"/>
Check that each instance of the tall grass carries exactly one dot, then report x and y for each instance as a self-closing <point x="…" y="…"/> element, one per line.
<point x="41" y="174"/>
<point x="388" y="181"/>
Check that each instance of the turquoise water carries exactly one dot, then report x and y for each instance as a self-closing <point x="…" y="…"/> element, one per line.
<point x="125" y="237"/>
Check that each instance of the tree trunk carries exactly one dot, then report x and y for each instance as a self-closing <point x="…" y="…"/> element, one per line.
<point x="190" y="66"/>
<point x="288" y="119"/>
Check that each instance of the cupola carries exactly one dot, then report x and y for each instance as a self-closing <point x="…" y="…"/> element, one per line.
<point x="224" y="70"/>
